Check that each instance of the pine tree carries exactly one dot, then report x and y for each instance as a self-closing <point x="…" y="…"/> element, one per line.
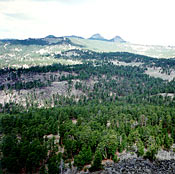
<point x="140" y="148"/>
<point x="97" y="162"/>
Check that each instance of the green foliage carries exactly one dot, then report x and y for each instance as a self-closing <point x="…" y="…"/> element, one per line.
<point x="10" y="151"/>
<point x="81" y="141"/>
<point x="54" y="164"/>
<point x="152" y="149"/>
<point x="116" y="108"/>
<point x="84" y="157"/>
<point x="140" y="148"/>
<point x="116" y="159"/>
<point x="97" y="162"/>
<point x="168" y="141"/>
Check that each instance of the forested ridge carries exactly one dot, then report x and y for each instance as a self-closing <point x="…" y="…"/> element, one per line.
<point x="116" y="109"/>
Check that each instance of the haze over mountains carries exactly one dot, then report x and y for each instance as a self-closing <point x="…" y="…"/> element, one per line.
<point x="99" y="37"/>
<point x="95" y="43"/>
<point x="93" y="37"/>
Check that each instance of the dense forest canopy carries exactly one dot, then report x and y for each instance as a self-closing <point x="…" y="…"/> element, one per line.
<point x="117" y="108"/>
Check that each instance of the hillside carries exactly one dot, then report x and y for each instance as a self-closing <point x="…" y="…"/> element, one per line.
<point x="147" y="50"/>
<point x="33" y="52"/>
<point x="69" y="104"/>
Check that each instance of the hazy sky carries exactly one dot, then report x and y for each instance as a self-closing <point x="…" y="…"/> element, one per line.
<point x="137" y="21"/>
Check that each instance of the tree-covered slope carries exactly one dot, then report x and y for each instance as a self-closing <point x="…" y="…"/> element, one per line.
<point x="78" y="116"/>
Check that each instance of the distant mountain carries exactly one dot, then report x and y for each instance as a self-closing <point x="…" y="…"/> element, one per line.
<point x="48" y="40"/>
<point x="96" y="43"/>
<point x="29" y="41"/>
<point x="97" y="37"/>
<point x="7" y="39"/>
<point x="117" y="39"/>
<point x="50" y="36"/>
<point x="74" y="36"/>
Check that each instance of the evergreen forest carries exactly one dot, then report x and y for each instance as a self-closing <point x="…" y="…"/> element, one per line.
<point x="106" y="109"/>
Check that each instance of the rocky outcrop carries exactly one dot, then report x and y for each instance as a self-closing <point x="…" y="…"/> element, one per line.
<point x="131" y="164"/>
<point x="141" y="166"/>
<point x="134" y="166"/>
<point x="165" y="155"/>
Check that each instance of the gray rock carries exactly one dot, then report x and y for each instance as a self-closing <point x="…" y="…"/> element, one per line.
<point x="135" y="166"/>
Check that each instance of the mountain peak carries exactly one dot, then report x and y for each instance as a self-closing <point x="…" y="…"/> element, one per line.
<point x="50" y="36"/>
<point x="97" y="36"/>
<point x="117" y="39"/>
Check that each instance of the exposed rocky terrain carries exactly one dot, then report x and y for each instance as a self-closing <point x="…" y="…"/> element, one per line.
<point x="134" y="166"/>
<point x="141" y="166"/>
<point x="130" y="163"/>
